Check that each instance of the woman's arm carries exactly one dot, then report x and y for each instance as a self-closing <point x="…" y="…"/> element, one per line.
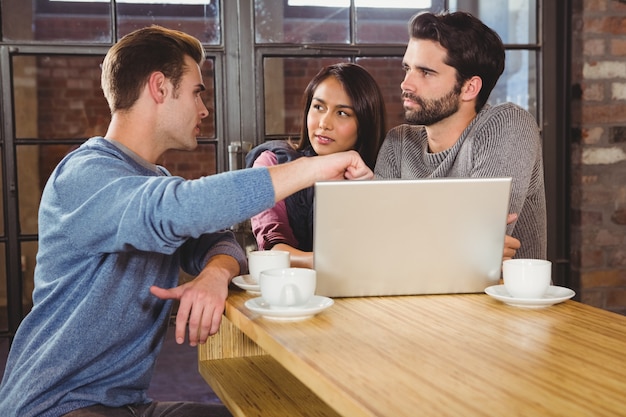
<point x="272" y="225"/>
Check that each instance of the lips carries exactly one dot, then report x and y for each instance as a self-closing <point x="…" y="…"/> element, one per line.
<point x="323" y="139"/>
<point x="410" y="99"/>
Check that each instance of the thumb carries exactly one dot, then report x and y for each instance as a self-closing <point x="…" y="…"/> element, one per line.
<point x="164" y="293"/>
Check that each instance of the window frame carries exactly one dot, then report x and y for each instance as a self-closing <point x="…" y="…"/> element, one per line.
<point x="239" y="92"/>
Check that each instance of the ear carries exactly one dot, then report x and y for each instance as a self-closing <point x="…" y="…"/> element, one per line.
<point x="157" y="86"/>
<point x="471" y="88"/>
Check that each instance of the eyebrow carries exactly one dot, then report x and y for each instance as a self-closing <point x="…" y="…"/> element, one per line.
<point x="340" y="106"/>
<point x="421" y="68"/>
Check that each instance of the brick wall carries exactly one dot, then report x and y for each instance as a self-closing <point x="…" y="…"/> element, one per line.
<point x="599" y="152"/>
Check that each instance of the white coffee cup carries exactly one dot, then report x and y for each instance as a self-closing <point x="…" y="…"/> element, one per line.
<point x="526" y="278"/>
<point x="260" y="260"/>
<point x="287" y="287"/>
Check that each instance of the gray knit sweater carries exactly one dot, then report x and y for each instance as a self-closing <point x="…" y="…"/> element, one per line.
<point x="502" y="141"/>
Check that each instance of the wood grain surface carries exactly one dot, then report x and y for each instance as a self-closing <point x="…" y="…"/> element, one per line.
<point x="443" y="355"/>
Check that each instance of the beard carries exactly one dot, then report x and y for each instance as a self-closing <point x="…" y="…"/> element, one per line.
<point x="432" y="111"/>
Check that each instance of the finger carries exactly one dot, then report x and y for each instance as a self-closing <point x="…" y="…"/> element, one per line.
<point x="195" y="323"/>
<point x="511" y="218"/>
<point x="511" y="242"/>
<point x="182" y="317"/>
<point x="217" y="320"/>
<point x="164" y="293"/>
<point x="358" y="174"/>
<point x="206" y="326"/>
<point x="508" y="254"/>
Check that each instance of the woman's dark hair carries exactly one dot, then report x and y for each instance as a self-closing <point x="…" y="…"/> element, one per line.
<point x="473" y="48"/>
<point x="367" y="101"/>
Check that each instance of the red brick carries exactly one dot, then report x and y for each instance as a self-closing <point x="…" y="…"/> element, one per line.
<point x="616" y="298"/>
<point x="603" y="278"/>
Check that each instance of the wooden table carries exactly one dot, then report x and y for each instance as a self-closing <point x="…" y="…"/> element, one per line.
<point x="441" y="355"/>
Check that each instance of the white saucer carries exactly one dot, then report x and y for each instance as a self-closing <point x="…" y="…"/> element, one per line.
<point x="554" y="295"/>
<point x="246" y="282"/>
<point x="316" y="304"/>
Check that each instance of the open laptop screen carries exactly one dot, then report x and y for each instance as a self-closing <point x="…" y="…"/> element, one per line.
<point x="394" y="237"/>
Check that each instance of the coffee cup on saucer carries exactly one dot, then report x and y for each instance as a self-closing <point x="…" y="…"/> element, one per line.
<point x="287" y="287"/>
<point x="260" y="260"/>
<point x="526" y="278"/>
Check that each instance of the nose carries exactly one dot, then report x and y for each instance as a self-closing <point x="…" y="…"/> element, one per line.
<point x="204" y="111"/>
<point x="406" y="84"/>
<point x="325" y="122"/>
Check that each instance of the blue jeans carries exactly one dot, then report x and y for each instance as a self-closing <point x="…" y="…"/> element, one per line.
<point x="154" y="409"/>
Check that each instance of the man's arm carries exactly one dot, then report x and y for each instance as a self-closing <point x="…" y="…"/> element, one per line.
<point x="304" y="172"/>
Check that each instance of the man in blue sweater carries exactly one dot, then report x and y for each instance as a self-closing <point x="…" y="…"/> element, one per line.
<point x="115" y="229"/>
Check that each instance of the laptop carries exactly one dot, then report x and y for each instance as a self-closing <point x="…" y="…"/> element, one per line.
<point x="409" y="237"/>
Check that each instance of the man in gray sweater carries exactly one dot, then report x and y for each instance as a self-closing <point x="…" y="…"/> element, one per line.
<point x="452" y="63"/>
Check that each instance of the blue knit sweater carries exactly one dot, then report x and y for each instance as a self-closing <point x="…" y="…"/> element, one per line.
<point x="110" y="227"/>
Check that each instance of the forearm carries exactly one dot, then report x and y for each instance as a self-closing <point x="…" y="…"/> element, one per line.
<point x="291" y="177"/>
<point x="298" y="258"/>
<point x="304" y="172"/>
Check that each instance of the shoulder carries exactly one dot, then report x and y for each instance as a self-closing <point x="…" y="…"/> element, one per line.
<point x="509" y="112"/>
<point x="283" y="150"/>
<point x="265" y="159"/>
<point x="503" y="121"/>
<point x="404" y="132"/>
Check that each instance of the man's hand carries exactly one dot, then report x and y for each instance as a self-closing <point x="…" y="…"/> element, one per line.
<point x="343" y="165"/>
<point x="201" y="301"/>
<point x="511" y="245"/>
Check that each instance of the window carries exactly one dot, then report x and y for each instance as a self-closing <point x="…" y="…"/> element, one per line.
<point x="261" y="54"/>
<point x="92" y="21"/>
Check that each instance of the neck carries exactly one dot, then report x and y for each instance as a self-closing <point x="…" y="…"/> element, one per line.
<point x="139" y="137"/>
<point x="445" y="133"/>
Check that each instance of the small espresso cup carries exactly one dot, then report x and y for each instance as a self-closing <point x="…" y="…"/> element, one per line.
<point x="287" y="287"/>
<point x="526" y="278"/>
<point x="260" y="260"/>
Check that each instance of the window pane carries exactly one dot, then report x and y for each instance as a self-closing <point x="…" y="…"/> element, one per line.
<point x="389" y="25"/>
<point x="1" y="193"/>
<point x="514" y="20"/>
<point x="199" y="20"/>
<point x="388" y="73"/>
<point x="49" y="20"/>
<point x="29" y="253"/>
<point x="207" y="128"/>
<point x="278" y="22"/>
<point x="200" y="162"/>
<point x="90" y="21"/>
<point x="518" y="83"/>
<point x="30" y="185"/>
<point x="4" y="322"/>
<point x="59" y="97"/>
<point x="284" y="84"/>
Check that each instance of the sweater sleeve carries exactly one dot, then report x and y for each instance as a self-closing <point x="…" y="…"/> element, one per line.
<point x="108" y="205"/>
<point x="271" y="226"/>
<point x="508" y="144"/>
<point x="196" y="253"/>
